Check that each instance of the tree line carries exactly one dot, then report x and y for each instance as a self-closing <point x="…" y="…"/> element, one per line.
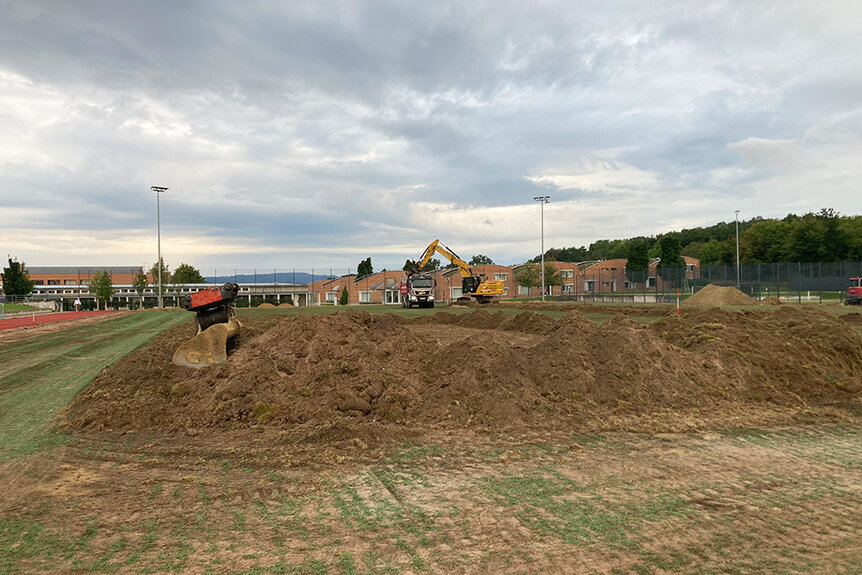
<point x="825" y="236"/>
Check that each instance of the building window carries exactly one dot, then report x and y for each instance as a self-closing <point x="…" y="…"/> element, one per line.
<point x="331" y="296"/>
<point x="523" y="290"/>
<point x="365" y="297"/>
<point x="629" y="285"/>
<point x="568" y="288"/>
<point x="53" y="282"/>
<point x="455" y="292"/>
<point x="567" y="274"/>
<point x="70" y="282"/>
<point x="38" y="282"/>
<point x="650" y="282"/>
<point x="689" y="268"/>
<point x="590" y="285"/>
<point x="505" y="291"/>
<point x="501" y="277"/>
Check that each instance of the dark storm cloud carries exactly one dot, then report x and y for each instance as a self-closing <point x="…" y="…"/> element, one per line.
<point x="346" y="126"/>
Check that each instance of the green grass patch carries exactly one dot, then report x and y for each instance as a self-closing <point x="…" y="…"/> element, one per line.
<point x="40" y="375"/>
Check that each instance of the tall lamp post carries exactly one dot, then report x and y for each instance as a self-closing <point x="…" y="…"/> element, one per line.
<point x="159" y="190"/>
<point x="738" y="282"/>
<point x="542" y="201"/>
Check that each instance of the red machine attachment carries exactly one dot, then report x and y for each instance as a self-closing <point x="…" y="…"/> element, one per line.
<point x="854" y="292"/>
<point x="212" y="305"/>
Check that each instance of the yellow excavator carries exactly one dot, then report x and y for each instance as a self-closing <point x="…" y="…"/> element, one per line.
<point x="473" y="287"/>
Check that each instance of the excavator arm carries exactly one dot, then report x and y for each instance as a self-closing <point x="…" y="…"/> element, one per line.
<point x="437" y="247"/>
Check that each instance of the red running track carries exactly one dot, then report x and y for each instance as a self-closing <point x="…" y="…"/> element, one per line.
<point x="30" y="320"/>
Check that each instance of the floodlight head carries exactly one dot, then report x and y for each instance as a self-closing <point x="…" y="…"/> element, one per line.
<point x="544" y="199"/>
<point x="158" y="189"/>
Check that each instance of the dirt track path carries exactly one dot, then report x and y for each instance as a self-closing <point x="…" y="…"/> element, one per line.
<point x="783" y="501"/>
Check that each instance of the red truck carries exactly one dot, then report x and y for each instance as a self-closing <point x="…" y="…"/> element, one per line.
<point x="854" y="292"/>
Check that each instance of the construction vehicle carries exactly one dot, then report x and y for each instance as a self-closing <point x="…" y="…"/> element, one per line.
<point x="216" y="323"/>
<point x="417" y="289"/>
<point x="473" y="287"/>
<point x="854" y="292"/>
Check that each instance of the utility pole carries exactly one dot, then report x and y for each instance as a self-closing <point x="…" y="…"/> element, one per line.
<point x="159" y="190"/>
<point x="542" y="201"/>
<point x="738" y="282"/>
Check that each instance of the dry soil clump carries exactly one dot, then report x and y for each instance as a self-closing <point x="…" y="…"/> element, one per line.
<point x="336" y="376"/>
<point x="717" y="296"/>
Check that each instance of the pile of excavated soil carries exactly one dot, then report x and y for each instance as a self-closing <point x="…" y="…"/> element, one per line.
<point x="644" y="309"/>
<point x="771" y="300"/>
<point x="266" y="305"/>
<point x="718" y="296"/>
<point x="491" y="371"/>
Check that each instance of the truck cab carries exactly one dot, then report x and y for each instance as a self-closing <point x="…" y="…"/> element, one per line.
<point x="418" y="290"/>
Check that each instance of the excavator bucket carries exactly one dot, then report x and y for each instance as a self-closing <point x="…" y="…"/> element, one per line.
<point x="208" y="347"/>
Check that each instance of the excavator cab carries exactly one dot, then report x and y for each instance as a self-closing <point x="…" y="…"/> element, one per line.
<point x="469" y="284"/>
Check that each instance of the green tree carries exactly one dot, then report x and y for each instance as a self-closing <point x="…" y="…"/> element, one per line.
<point x="166" y="272"/>
<point x="763" y="242"/>
<point x="552" y="275"/>
<point x="431" y="265"/>
<point x="836" y="243"/>
<point x="672" y="266"/>
<point x="102" y="287"/>
<point x="364" y="268"/>
<point x="480" y="260"/>
<point x="637" y="261"/>
<point x="805" y="243"/>
<point x="140" y="284"/>
<point x="528" y="275"/>
<point x="16" y="279"/>
<point x="345" y="297"/>
<point x="186" y="274"/>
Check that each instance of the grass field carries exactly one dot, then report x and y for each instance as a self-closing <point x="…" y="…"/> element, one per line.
<point x="726" y="501"/>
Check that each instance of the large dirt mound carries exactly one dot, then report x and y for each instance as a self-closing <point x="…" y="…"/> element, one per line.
<point x="718" y="296"/>
<point x="341" y="371"/>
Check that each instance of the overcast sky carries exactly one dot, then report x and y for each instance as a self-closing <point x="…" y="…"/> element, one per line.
<point x="318" y="134"/>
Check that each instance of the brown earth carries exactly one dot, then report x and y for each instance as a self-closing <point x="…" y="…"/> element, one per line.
<point x="771" y="300"/>
<point x="718" y="296"/>
<point x="349" y="375"/>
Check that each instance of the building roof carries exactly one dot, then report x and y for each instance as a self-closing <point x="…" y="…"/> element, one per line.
<point x="83" y="269"/>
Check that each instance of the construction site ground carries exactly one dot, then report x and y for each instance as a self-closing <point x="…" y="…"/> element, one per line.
<point x="527" y="438"/>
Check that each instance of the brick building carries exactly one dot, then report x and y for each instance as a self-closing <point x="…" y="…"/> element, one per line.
<point x="68" y="275"/>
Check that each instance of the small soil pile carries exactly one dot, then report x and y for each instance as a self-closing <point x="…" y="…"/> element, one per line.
<point x="771" y="300"/>
<point x="852" y="318"/>
<point x="343" y="371"/>
<point x="717" y="296"/>
<point x="266" y="305"/>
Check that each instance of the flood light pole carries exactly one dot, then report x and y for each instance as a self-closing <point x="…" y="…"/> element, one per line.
<point x="542" y="201"/>
<point x="159" y="190"/>
<point x="738" y="283"/>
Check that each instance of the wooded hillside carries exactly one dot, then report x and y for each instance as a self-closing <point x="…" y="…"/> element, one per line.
<point x="825" y="236"/>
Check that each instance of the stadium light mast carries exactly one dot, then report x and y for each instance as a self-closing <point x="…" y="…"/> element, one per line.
<point x="738" y="282"/>
<point x="542" y="201"/>
<point x="159" y="190"/>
